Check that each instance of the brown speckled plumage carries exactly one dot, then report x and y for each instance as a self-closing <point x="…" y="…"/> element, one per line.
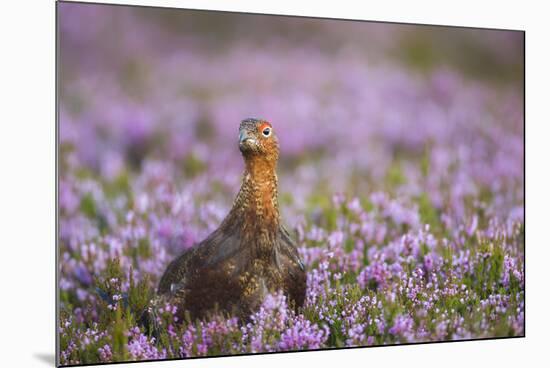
<point x="250" y="254"/>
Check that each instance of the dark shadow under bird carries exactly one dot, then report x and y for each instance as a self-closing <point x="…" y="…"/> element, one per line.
<point x="251" y="254"/>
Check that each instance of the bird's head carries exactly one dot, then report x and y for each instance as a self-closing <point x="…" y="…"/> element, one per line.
<point x="257" y="140"/>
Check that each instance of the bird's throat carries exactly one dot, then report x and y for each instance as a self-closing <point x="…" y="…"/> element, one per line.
<point x="261" y="190"/>
<point x="255" y="212"/>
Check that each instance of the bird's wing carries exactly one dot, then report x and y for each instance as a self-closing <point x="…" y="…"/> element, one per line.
<point x="217" y="247"/>
<point x="174" y="275"/>
<point x="296" y="281"/>
<point x="288" y="247"/>
<point x="220" y="246"/>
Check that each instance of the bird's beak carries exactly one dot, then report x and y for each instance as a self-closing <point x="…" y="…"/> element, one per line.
<point x="243" y="136"/>
<point x="246" y="141"/>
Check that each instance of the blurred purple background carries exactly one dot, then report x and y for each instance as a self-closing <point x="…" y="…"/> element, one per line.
<point x="347" y="99"/>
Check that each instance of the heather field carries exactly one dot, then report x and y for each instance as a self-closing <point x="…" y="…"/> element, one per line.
<point x="401" y="176"/>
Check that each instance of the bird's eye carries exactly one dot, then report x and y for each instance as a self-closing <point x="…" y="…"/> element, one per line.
<point x="266" y="132"/>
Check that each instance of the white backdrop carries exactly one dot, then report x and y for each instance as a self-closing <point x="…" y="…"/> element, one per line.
<point x="27" y="181"/>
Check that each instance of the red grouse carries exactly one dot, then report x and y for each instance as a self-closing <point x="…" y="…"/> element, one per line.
<point x="250" y="254"/>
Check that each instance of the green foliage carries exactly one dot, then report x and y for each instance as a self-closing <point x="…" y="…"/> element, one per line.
<point x="119" y="186"/>
<point x="88" y="206"/>
<point x="119" y="331"/>
<point x="139" y="295"/>
<point x="429" y="214"/>
<point x="193" y="166"/>
<point x="395" y="176"/>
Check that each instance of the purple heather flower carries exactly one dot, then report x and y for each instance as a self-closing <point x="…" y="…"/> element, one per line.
<point x="105" y="353"/>
<point x="303" y="335"/>
<point x="142" y="347"/>
<point x="403" y="326"/>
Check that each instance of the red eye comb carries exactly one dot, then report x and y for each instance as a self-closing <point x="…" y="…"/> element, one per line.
<point x="264" y="125"/>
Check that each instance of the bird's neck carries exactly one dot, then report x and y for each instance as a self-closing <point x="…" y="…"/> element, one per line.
<point x="255" y="212"/>
<point x="260" y="195"/>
